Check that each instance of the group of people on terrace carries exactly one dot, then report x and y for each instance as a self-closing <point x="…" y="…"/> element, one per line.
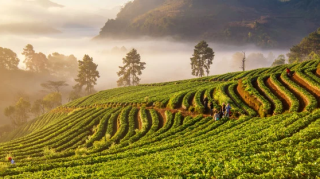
<point x="224" y="111"/>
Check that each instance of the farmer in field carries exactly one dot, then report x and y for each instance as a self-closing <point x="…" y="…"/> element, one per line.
<point x="288" y="72"/>
<point x="220" y="114"/>
<point x="223" y="108"/>
<point x="216" y="116"/>
<point x="211" y="108"/>
<point x="205" y="102"/>
<point x="228" y="109"/>
<point x="11" y="160"/>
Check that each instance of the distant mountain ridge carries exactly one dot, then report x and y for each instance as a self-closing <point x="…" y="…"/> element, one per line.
<point x="266" y="23"/>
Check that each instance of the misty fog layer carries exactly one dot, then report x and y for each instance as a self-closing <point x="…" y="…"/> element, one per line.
<point x="62" y="28"/>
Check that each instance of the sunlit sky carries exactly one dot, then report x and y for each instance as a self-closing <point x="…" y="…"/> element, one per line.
<point x="47" y="17"/>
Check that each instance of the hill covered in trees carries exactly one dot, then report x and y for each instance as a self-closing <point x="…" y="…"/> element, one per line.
<point x="266" y="23"/>
<point x="164" y="130"/>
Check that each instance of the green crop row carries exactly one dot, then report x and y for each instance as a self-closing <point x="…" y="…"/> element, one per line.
<point x="239" y="102"/>
<point x="312" y="102"/>
<point x="276" y="101"/>
<point x="294" y="102"/>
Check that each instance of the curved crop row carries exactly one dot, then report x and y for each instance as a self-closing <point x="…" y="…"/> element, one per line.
<point x="188" y="97"/>
<point x="266" y="106"/>
<point x="221" y="96"/>
<point x="238" y="101"/>
<point x="176" y="100"/>
<point x="293" y="100"/>
<point x="312" y="102"/>
<point x="198" y="106"/>
<point x="277" y="102"/>
<point x="208" y="94"/>
<point x="131" y="131"/>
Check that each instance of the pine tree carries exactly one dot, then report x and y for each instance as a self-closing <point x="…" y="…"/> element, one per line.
<point x="87" y="75"/>
<point x="132" y="68"/>
<point x="202" y="59"/>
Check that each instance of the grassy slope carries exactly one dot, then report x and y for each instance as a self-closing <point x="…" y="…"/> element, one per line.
<point x="284" y="145"/>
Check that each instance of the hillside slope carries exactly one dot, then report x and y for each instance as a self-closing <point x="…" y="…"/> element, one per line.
<point x="266" y="23"/>
<point x="163" y="130"/>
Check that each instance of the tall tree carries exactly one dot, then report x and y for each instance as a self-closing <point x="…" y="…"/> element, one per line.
<point x="279" y="61"/>
<point x="8" y="59"/>
<point x="35" y="62"/>
<point x="54" y="86"/>
<point x="19" y="112"/>
<point x="131" y="70"/>
<point x="202" y="59"/>
<point x="87" y="75"/>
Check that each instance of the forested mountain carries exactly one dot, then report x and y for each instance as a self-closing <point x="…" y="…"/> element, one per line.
<point x="266" y="23"/>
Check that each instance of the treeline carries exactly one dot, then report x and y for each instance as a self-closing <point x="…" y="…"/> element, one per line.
<point x="307" y="49"/>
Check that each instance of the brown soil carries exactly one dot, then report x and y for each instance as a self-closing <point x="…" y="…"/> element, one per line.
<point x="256" y="86"/>
<point x="247" y="98"/>
<point x="314" y="91"/>
<point x="137" y="122"/>
<point x="285" y="101"/>
<point x="302" y="101"/>
<point x="318" y="72"/>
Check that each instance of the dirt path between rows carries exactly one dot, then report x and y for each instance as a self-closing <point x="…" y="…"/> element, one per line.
<point x="256" y="86"/>
<point x="285" y="101"/>
<point x="251" y="103"/>
<point x="311" y="90"/>
<point x="302" y="101"/>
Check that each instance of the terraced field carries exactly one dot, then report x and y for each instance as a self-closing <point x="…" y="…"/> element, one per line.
<point x="163" y="130"/>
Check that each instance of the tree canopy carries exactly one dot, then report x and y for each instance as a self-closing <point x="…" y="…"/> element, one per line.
<point x="19" y="112"/>
<point x="54" y="86"/>
<point x="35" y="62"/>
<point x="131" y="70"/>
<point x="281" y="60"/>
<point x="62" y="66"/>
<point x="202" y="59"/>
<point x="87" y="75"/>
<point x="8" y="59"/>
<point x="309" y="44"/>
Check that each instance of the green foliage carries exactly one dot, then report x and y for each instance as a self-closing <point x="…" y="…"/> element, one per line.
<point x="201" y="59"/>
<point x="281" y="60"/>
<point x="19" y="113"/>
<point x="131" y="70"/>
<point x="305" y="49"/>
<point x="87" y="75"/>
<point x="52" y="100"/>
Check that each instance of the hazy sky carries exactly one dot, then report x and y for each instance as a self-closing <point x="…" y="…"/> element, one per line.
<point x="45" y="17"/>
<point x="68" y="26"/>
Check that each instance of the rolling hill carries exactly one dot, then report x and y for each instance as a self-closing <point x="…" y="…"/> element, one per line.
<point x="162" y="130"/>
<point x="266" y="23"/>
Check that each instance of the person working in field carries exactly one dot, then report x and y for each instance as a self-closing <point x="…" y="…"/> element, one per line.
<point x="228" y="110"/>
<point x="223" y="108"/>
<point x="205" y="102"/>
<point x="11" y="160"/>
<point x="216" y="116"/>
<point x="211" y="108"/>
<point x="288" y="72"/>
